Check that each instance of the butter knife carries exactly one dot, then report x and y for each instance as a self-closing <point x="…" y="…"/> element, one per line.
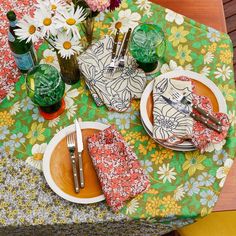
<point x="80" y="148"/>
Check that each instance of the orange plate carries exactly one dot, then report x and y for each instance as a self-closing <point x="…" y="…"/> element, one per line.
<point x="200" y="88"/>
<point x="61" y="169"/>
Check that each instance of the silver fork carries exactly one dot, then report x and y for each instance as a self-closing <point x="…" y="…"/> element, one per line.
<point x="121" y="58"/>
<point x="71" y="147"/>
<point x="179" y="96"/>
<point x="111" y="66"/>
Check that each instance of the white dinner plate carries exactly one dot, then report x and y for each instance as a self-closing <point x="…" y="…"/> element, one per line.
<point x="47" y="157"/>
<point x="186" y="145"/>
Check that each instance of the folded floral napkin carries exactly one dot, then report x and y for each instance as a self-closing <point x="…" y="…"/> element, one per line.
<point x="118" y="169"/>
<point x="171" y="125"/>
<point x="174" y="127"/>
<point x="116" y="91"/>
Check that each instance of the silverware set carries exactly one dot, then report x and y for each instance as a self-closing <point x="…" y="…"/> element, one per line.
<point x="72" y="148"/>
<point x="181" y="103"/>
<point x="118" y="56"/>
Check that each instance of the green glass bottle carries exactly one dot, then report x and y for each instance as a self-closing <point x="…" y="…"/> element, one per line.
<point x="24" y="53"/>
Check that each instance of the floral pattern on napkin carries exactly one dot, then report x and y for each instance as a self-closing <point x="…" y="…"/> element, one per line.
<point x="115" y="91"/>
<point x="202" y="136"/>
<point x="117" y="166"/>
<point x="169" y="123"/>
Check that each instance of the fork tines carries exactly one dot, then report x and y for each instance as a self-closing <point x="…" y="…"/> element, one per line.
<point x="70" y="139"/>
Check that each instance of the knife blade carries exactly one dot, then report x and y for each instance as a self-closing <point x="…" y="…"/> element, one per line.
<point x="80" y="148"/>
<point x="184" y="109"/>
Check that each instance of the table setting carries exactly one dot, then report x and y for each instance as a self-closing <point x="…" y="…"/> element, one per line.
<point x="126" y="125"/>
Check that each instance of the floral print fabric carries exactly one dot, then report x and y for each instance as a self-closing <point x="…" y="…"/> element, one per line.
<point x="170" y="123"/>
<point x="184" y="186"/>
<point x="114" y="90"/>
<point x="117" y="166"/>
<point x="202" y="136"/>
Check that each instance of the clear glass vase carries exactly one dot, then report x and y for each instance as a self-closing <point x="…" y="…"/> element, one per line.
<point x="69" y="69"/>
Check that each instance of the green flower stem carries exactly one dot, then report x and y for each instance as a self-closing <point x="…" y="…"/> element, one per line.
<point x="49" y="43"/>
<point x="155" y="180"/>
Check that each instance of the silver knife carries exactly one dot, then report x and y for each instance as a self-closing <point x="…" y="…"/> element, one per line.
<point x="80" y="148"/>
<point x="183" y="109"/>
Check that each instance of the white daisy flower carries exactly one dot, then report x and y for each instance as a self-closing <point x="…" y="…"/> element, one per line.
<point x="143" y="4"/>
<point x="171" y="67"/>
<point x="11" y="93"/>
<point x="70" y="95"/>
<point x="208" y="58"/>
<point x="37" y="159"/>
<point x="46" y="22"/>
<point x="68" y="19"/>
<point x="54" y="122"/>
<point x="15" y="108"/>
<point x="171" y="16"/>
<point x="213" y="35"/>
<point x="232" y="117"/>
<point x="205" y="71"/>
<point x="223" y="72"/>
<point x="67" y="45"/>
<point x="53" y="5"/>
<point x="126" y="20"/>
<point x="71" y="111"/>
<point x="132" y="206"/>
<point x="215" y="146"/>
<point x="223" y="171"/>
<point x="148" y="13"/>
<point x="166" y="173"/>
<point x="50" y="57"/>
<point x="28" y="29"/>
<point x="179" y="193"/>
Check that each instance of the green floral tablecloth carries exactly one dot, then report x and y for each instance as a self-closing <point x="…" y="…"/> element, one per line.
<point x="184" y="186"/>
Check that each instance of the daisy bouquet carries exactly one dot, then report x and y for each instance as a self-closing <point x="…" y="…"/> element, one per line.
<point x="93" y="8"/>
<point x="55" y="21"/>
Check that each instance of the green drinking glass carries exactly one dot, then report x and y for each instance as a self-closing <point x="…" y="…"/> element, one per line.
<point x="45" y="88"/>
<point x="147" y="45"/>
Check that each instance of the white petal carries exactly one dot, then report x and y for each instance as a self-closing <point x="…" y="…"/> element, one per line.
<point x="228" y="163"/>
<point x="221" y="184"/>
<point x="220" y="173"/>
<point x="179" y="19"/>
<point x="35" y="148"/>
<point x="170" y="17"/>
<point x="165" y="68"/>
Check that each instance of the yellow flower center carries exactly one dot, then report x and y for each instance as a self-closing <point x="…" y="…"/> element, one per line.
<point x="49" y="59"/>
<point x="71" y="21"/>
<point x="47" y="21"/>
<point x="67" y="45"/>
<point x="53" y="7"/>
<point x="38" y="156"/>
<point x="118" y="25"/>
<point x="213" y="35"/>
<point x="32" y="29"/>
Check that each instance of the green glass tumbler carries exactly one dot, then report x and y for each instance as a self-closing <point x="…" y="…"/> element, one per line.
<point x="147" y="45"/>
<point x="46" y="88"/>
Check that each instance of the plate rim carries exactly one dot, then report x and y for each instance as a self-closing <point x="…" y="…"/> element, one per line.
<point x="194" y="75"/>
<point x="176" y="148"/>
<point x="47" y="157"/>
